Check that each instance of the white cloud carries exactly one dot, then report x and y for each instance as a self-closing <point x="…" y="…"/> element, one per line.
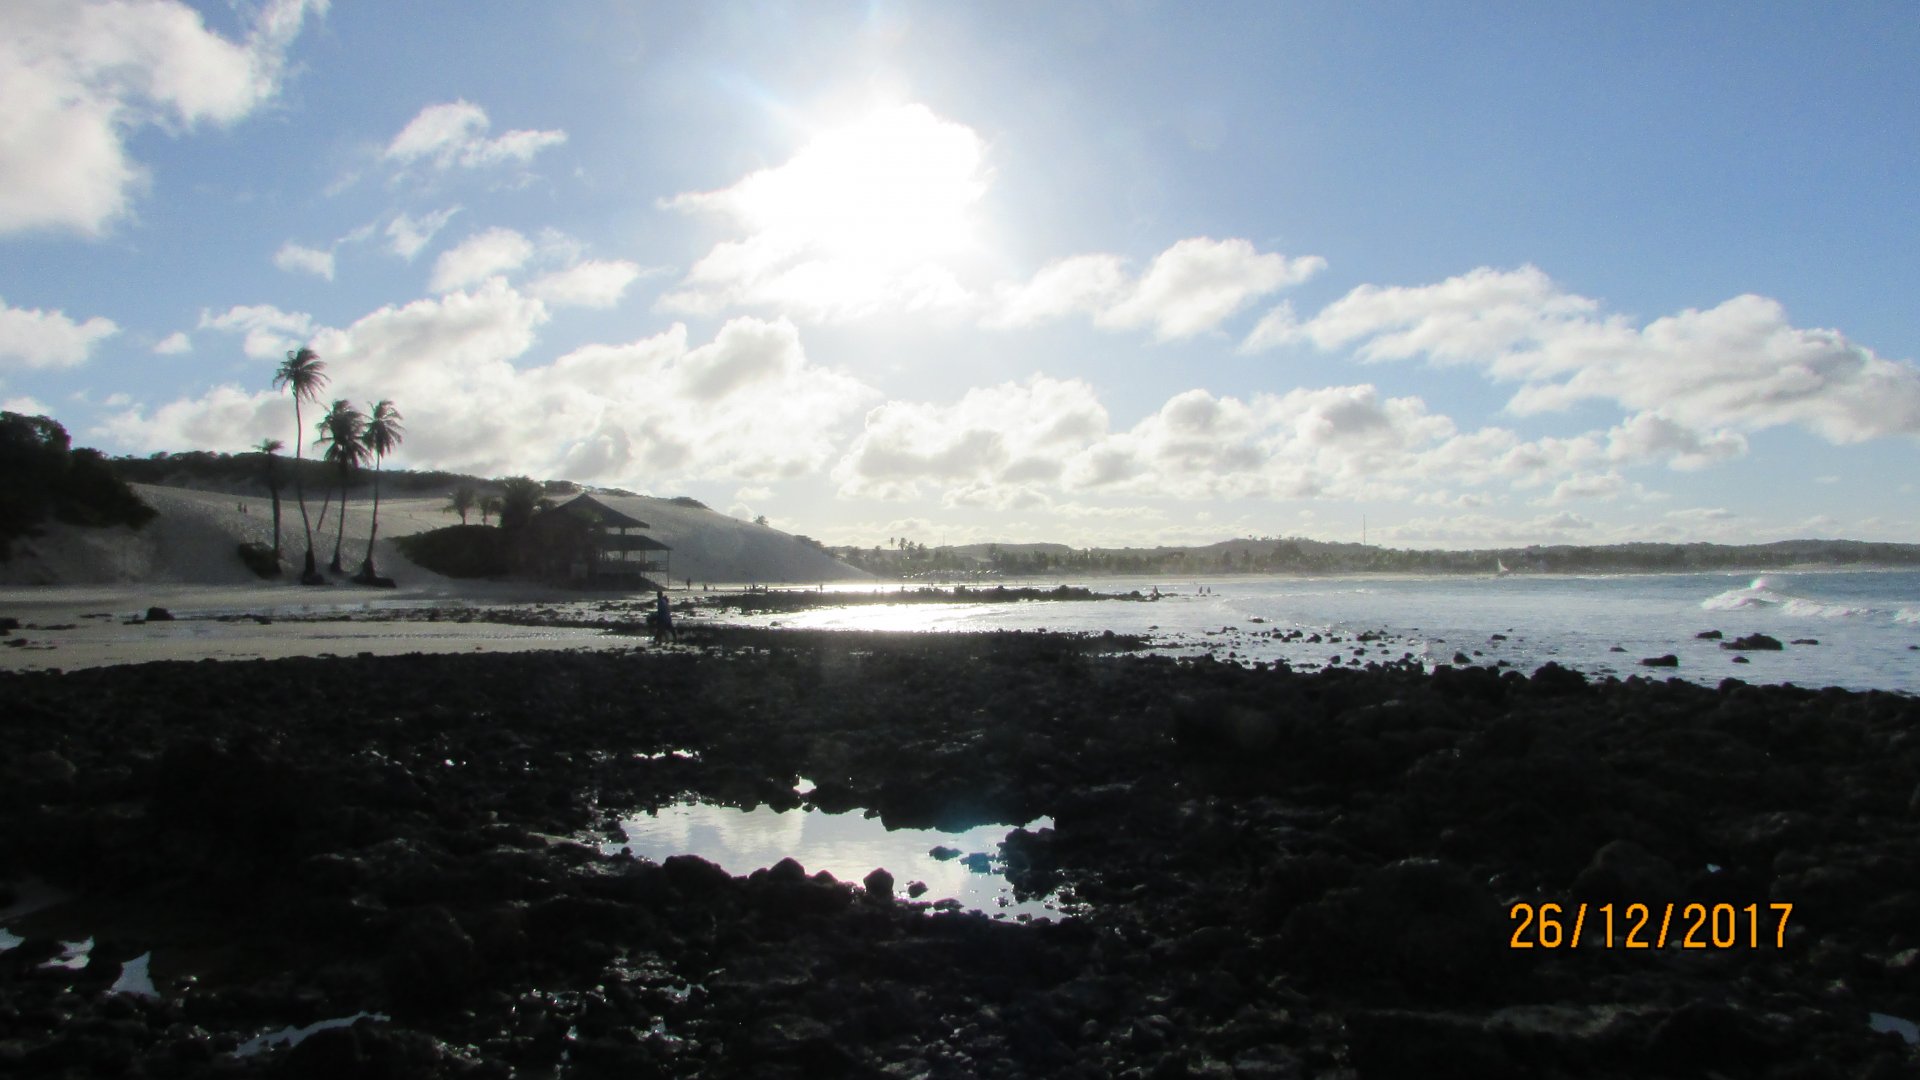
<point x="174" y="344"/>
<point x="1191" y="288"/>
<point x="1197" y="283"/>
<point x="30" y="337"/>
<point x="1010" y="434"/>
<point x="1649" y="436"/>
<point x="407" y="235"/>
<point x="294" y="258"/>
<point x="479" y="257"/>
<point x="26" y="406"/>
<point x="79" y="77"/>
<point x="270" y="332"/>
<point x="598" y="283"/>
<point x="748" y="406"/>
<point x="454" y="134"/>
<point x="860" y="220"/>
<point x="1736" y="367"/>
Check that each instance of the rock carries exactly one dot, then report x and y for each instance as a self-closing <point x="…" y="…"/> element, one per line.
<point x="1392" y="1044"/>
<point x="1805" y="641"/>
<point x="1753" y="642"/>
<point x="1626" y="873"/>
<point x="879" y="884"/>
<point x="159" y="614"/>
<point x="431" y="965"/>
<point x="1741" y="660"/>
<point x="1618" y="648"/>
<point x="1462" y="658"/>
<point x="1668" y="660"/>
<point x="917" y="889"/>
<point x="978" y="862"/>
<point x="1709" y="635"/>
<point x="1420" y="923"/>
<point x="1706" y="1036"/>
<point x="944" y="853"/>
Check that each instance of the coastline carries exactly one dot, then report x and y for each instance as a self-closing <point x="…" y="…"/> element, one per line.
<point x="1281" y="873"/>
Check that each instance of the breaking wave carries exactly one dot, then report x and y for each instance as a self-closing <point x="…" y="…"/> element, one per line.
<point x="1764" y="594"/>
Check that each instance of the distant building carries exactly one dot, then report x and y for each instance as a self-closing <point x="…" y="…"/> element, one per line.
<point x="588" y="543"/>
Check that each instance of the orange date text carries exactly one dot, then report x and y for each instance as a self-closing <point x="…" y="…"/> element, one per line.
<point x="1649" y="926"/>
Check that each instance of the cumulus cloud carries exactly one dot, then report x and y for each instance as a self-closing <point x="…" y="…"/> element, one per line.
<point x="1739" y="366"/>
<point x="1010" y="434"/>
<point x="295" y="258"/>
<point x="479" y="257"/>
<point x="749" y="406"/>
<point x="407" y="235"/>
<point x="857" y="221"/>
<point x="33" y="338"/>
<point x="596" y="283"/>
<point x="269" y="332"/>
<point x="79" y="77"/>
<point x="1190" y="288"/>
<point x="454" y="135"/>
<point x="174" y="344"/>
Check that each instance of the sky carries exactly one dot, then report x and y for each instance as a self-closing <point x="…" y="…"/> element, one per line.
<point x="1459" y="275"/>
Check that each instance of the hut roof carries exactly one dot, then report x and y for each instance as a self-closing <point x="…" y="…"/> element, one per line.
<point x="591" y="509"/>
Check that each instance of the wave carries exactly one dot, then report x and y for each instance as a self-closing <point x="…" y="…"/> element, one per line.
<point x="1763" y="594"/>
<point x="1908" y="615"/>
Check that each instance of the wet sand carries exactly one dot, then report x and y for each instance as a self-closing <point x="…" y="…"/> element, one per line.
<point x="1279" y="874"/>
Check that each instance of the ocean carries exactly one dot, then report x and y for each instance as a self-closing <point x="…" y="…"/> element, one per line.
<point x="1855" y="629"/>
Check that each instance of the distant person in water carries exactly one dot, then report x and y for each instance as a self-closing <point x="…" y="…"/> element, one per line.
<point x="662" y="618"/>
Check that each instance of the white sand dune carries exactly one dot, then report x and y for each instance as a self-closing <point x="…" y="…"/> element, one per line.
<point x="195" y="541"/>
<point x="79" y="593"/>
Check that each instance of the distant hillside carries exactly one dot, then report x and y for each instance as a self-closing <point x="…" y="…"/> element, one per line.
<point x="1301" y="556"/>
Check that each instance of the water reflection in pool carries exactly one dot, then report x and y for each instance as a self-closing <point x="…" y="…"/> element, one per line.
<point x="848" y="846"/>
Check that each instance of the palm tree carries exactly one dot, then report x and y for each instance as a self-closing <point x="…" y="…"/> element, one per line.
<point x="382" y="433"/>
<point x="340" y="433"/>
<point x="269" y="447"/>
<point x="302" y="375"/>
<point x="489" y="505"/>
<point x="462" y="502"/>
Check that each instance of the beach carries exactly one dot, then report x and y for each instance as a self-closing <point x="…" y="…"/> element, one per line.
<point x="1260" y="872"/>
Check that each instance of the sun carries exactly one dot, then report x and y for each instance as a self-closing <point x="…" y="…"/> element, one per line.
<point x="895" y="188"/>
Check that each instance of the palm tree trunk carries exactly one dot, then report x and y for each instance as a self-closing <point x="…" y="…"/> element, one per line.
<point x="340" y="527"/>
<point x="366" y="568"/>
<point x="275" y="486"/>
<point x="308" y="574"/>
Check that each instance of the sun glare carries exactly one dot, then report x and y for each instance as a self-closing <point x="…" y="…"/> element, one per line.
<point x="892" y="189"/>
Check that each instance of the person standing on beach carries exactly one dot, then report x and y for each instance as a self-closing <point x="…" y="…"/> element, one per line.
<point x="662" y="617"/>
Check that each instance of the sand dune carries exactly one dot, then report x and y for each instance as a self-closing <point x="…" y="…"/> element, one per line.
<point x="195" y="540"/>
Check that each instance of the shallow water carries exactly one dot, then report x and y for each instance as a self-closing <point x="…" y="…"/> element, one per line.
<point x="849" y="846"/>
<point x="1864" y="621"/>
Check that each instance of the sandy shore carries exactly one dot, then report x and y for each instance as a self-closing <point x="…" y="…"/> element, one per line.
<point x="1276" y="874"/>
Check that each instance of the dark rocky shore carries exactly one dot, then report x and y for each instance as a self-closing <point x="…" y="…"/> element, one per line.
<point x="1281" y="874"/>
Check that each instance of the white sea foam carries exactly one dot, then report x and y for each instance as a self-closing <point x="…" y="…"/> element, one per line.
<point x="1764" y="593"/>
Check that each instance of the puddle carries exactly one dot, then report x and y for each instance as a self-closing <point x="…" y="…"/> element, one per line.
<point x="135" y="979"/>
<point x="73" y="955"/>
<point x="292" y="1036"/>
<point x="849" y="846"/>
<point x="1906" y="1029"/>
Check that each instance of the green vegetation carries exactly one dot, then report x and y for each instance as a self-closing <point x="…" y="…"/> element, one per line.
<point x="459" y="551"/>
<point x="45" y="476"/>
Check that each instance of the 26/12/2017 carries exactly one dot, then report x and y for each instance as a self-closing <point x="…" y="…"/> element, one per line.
<point x="1715" y="926"/>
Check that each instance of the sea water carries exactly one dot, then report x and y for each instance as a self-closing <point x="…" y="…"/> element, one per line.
<point x="1865" y="622"/>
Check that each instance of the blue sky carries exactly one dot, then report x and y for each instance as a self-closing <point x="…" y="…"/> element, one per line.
<point x="1095" y="273"/>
